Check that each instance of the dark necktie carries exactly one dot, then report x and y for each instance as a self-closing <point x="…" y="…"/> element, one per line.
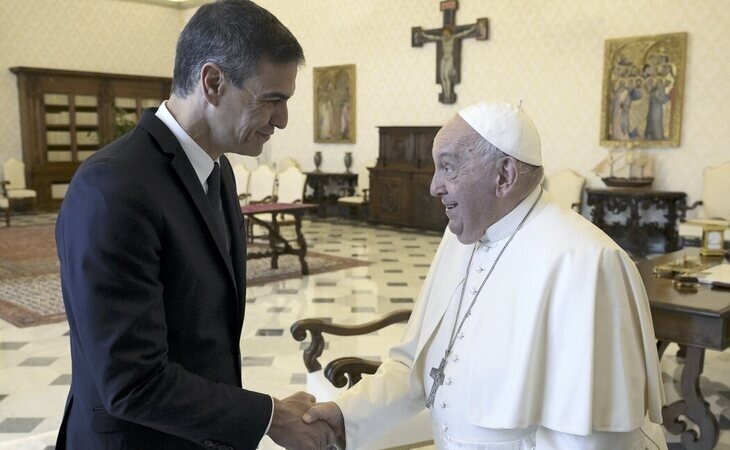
<point x="215" y="201"/>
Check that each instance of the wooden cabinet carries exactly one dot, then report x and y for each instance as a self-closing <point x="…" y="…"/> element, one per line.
<point x="400" y="182"/>
<point x="65" y="116"/>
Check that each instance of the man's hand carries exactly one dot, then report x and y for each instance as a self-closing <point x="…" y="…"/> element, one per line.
<point x="289" y="430"/>
<point x="328" y="412"/>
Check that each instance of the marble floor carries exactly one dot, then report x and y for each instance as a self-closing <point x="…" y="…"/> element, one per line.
<point x="35" y="363"/>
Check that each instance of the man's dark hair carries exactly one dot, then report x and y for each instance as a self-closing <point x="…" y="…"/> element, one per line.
<point x="235" y="35"/>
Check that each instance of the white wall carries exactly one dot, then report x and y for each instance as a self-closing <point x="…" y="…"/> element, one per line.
<point x="88" y="35"/>
<point x="549" y="54"/>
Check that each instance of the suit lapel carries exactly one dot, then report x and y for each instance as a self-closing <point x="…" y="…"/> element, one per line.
<point x="184" y="169"/>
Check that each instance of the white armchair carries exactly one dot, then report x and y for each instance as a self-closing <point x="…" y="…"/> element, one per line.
<point x="567" y="188"/>
<point x="241" y="174"/>
<point x="14" y="185"/>
<point x="286" y="163"/>
<point x="261" y="186"/>
<point x="290" y="187"/>
<point x="714" y="208"/>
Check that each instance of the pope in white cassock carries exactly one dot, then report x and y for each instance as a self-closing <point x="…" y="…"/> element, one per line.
<point x="532" y="329"/>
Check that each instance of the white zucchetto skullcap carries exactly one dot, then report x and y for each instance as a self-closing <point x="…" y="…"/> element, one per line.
<point x="507" y="127"/>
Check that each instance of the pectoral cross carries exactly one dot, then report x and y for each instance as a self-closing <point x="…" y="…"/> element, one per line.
<point x="438" y="379"/>
<point x="448" y="46"/>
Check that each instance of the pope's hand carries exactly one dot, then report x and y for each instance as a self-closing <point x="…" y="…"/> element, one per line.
<point x="289" y="431"/>
<point x="328" y="412"/>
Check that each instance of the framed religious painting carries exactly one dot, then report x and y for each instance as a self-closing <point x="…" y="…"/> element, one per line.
<point x="643" y="89"/>
<point x="334" y="104"/>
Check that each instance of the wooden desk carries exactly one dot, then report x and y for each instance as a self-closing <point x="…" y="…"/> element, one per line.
<point x="278" y="245"/>
<point x="697" y="321"/>
<point x="634" y="234"/>
<point x="319" y="181"/>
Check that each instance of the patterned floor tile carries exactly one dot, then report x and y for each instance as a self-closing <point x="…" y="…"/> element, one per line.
<point x="11" y="345"/>
<point x="250" y="361"/>
<point x="269" y="332"/>
<point x="19" y="424"/>
<point x="63" y="380"/>
<point x="298" y="378"/>
<point x="38" y="361"/>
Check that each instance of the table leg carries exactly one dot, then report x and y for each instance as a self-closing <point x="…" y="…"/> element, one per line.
<point x="272" y="242"/>
<point x="302" y="251"/>
<point x="693" y="407"/>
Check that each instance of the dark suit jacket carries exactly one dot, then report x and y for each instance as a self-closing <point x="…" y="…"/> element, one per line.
<point x="154" y="302"/>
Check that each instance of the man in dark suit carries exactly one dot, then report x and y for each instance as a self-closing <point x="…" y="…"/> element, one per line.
<point x="153" y="258"/>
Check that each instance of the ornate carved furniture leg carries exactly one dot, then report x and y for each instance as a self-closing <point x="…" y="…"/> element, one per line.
<point x="692" y="407"/>
<point x="273" y="233"/>
<point x="671" y="233"/>
<point x="302" y="250"/>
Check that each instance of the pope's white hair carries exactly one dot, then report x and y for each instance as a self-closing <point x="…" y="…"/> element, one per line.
<point x="529" y="174"/>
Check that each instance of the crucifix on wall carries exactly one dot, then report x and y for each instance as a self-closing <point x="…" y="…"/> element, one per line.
<point x="448" y="46"/>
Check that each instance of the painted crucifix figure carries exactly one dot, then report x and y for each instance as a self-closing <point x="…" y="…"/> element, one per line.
<point x="448" y="46"/>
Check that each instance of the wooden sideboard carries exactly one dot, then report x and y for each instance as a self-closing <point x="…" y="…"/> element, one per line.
<point x="327" y="201"/>
<point x="399" y="183"/>
<point x="635" y="232"/>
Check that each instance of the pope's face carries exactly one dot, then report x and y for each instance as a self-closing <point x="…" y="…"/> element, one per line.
<point x="247" y="117"/>
<point x="464" y="180"/>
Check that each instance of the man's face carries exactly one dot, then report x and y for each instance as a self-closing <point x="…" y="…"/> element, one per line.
<point x="247" y="117"/>
<point x="464" y="180"/>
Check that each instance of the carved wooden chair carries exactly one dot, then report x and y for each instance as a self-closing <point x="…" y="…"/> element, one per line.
<point x="360" y="200"/>
<point x="343" y="373"/>
<point x="714" y="208"/>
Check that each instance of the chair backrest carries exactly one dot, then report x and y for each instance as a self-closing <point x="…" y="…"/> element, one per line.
<point x="566" y="187"/>
<point x="363" y="176"/>
<point x="715" y="190"/>
<point x="241" y="174"/>
<point x="286" y="163"/>
<point x="291" y="186"/>
<point x="261" y="183"/>
<point x="14" y="173"/>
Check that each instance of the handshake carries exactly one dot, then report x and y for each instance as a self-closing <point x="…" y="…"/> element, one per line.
<point x="301" y="424"/>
